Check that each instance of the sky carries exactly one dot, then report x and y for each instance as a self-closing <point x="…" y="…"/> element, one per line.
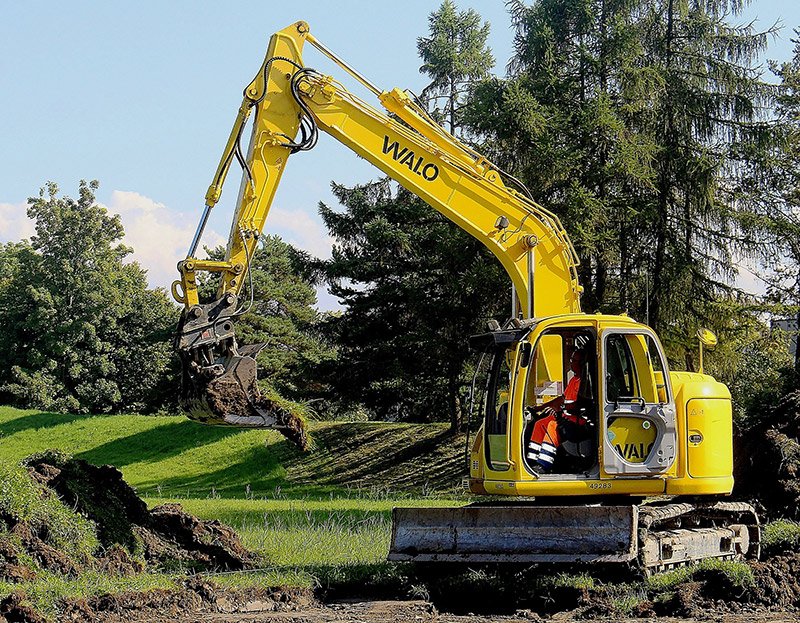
<point x="142" y="95"/>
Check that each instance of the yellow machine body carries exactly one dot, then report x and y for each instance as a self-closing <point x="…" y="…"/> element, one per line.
<point x="652" y="431"/>
<point x="702" y="458"/>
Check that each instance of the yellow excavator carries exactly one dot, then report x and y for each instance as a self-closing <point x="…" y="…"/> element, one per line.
<point x="601" y="453"/>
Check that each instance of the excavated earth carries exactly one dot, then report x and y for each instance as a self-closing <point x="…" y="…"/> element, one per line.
<point x="132" y="537"/>
<point x="767" y="465"/>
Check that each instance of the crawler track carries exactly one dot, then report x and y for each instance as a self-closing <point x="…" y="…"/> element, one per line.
<point x="675" y="534"/>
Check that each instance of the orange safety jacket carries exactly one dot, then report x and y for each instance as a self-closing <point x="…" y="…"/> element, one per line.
<point x="544" y="440"/>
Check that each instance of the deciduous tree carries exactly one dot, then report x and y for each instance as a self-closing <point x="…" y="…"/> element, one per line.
<point x="81" y="330"/>
<point x="282" y="315"/>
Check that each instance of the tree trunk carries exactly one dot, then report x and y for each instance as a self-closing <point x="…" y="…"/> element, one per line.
<point x="601" y="281"/>
<point x="665" y="186"/>
<point x="797" y="345"/>
<point x="454" y="404"/>
<point x="624" y="275"/>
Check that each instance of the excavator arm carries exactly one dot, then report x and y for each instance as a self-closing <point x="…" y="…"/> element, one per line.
<point x="290" y="104"/>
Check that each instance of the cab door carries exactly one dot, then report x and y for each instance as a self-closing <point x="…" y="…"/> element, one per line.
<point x="498" y="414"/>
<point x="638" y="408"/>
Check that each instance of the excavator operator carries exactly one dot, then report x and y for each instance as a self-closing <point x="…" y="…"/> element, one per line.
<point x="558" y="413"/>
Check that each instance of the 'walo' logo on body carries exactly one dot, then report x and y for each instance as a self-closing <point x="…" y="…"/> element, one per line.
<point x="416" y="164"/>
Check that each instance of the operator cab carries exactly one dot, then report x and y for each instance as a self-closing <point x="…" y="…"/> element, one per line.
<point x="565" y="400"/>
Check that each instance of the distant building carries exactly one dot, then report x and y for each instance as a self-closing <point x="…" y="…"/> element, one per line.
<point x="788" y="326"/>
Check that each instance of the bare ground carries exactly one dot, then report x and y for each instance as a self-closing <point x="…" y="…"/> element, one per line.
<point x="308" y="611"/>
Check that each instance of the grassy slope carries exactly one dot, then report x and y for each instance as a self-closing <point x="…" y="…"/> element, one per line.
<point x="173" y="457"/>
<point x="321" y="518"/>
<point x="317" y="517"/>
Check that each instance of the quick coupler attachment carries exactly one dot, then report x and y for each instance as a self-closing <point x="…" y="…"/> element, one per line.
<point x="219" y="384"/>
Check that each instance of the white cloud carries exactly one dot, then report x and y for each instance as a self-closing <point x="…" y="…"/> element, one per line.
<point x="158" y="236"/>
<point x="14" y="222"/>
<point x="300" y="229"/>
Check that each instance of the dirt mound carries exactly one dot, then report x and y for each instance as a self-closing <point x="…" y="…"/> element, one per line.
<point x="592" y="592"/>
<point x="777" y="581"/>
<point x="173" y="534"/>
<point x="767" y="465"/>
<point x="775" y="585"/>
<point x="167" y="534"/>
<point x="131" y="537"/>
<point x="97" y="492"/>
<point x="19" y="544"/>
<point x="13" y="609"/>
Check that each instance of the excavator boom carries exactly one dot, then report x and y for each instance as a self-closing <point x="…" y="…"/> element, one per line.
<point x="290" y="103"/>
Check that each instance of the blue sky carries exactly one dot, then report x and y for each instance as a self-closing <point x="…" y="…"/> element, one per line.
<point x="141" y="96"/>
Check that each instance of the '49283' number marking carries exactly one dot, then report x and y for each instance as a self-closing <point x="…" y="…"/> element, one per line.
<point x="599" y="485"/>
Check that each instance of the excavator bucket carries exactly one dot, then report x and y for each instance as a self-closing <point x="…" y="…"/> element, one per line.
<point x="515" y="534"/>
<point x="219" y="379"/>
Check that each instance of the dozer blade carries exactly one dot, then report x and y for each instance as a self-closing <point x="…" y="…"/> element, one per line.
<point x="219" y="380"/>
<point x="515" y="534"/>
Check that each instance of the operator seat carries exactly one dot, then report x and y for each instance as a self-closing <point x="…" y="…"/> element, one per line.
<point x="580" y="440"/>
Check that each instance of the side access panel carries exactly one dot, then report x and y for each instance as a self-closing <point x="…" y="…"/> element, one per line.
<point x="509" y="534"/>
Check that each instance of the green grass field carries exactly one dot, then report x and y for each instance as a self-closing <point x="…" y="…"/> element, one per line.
<point x="172" y="457"/>
<point x="317" y="517"/>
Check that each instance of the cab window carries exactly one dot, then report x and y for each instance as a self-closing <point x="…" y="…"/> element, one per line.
<point x="634" y="369"/>
<point x="546" y="379"/>
<point x="497" y="405"/>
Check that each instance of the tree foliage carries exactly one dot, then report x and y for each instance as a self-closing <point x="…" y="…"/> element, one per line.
<point x="283" y="317"/>
<point x="707" y="118"/>
<point x="779" y="205"/>
<point x="632" y="121"/>
<point x="414" y="287"/>
<point x="82" y="332"/>
<point x="454" y="56"/>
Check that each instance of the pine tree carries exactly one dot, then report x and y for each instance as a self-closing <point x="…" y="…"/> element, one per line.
<point x="707" y="118"/>
<point x="561" y="122"/>
<point x="454" y="55"/>
<point x="635" y="121"/>
<point x="778" y="200"/>
<point x="414" y="287"/>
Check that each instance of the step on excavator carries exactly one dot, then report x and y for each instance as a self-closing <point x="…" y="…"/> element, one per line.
<point x="591" y="448"/>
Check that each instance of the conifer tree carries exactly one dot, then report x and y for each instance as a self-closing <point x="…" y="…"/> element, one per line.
<point x="454" y="56"/>
<point x="561" y="122"/>
<point x="414" y="288"/>
<point x="634" y="121"/>
<point x="706" y="116"/>
<point x="777" y="200"/>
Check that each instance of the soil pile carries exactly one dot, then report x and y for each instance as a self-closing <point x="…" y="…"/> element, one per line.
<point x="767" y="466"/>
<point x="129" y="536"/>
<point x="775" y="586"/>
<point x="593" y="592"/>
<point x="13" y="609"/>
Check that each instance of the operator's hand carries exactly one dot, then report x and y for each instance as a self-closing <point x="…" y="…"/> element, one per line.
<point x="547" y="410"/>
